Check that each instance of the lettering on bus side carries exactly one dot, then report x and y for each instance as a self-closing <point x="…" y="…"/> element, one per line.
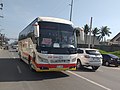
<point x="59" y="57"/>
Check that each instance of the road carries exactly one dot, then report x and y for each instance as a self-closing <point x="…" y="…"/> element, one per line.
<point x="16" y="75"/>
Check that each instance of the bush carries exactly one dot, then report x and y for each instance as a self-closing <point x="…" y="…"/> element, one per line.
<point x="117" y="53"/>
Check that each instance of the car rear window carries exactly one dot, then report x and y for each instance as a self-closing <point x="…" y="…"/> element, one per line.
<point x="92" y="52"/>
<point x="80" y="51"/>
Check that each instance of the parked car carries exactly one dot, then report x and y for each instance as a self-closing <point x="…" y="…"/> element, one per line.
<point x="110" y="59"/>
<point x="88" y="57"/>
<point x="13" y="48"/>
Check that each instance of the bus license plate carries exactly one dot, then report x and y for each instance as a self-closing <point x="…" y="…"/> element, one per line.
<point x="60" y="66"/>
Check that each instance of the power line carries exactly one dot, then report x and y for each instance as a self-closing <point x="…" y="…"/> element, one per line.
<point x="59" y="9"/>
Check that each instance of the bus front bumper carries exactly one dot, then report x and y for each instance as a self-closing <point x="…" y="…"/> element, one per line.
<point x="55" y="67"/>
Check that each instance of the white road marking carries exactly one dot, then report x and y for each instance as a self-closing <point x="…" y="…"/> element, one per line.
<point x="89" y="80"/>
<point x="19" y="70"/>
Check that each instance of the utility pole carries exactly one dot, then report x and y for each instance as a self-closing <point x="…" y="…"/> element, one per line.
<point x="71" y="10"/>
<point x="1" y="35"/>
<point x="90" y="32"/>
<point x="1" y="8"/>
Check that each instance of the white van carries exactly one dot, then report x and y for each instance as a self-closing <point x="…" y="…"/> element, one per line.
<point x="88" y="57"/>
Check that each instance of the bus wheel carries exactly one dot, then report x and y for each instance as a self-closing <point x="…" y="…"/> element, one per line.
<point x="30" y="64"/>
<point x="20" y="56"/>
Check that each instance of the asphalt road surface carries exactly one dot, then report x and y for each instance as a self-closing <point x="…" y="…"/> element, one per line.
<point x="16" y="75"/>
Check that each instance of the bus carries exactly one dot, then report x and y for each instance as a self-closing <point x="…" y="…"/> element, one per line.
<point x="48" y="44"/>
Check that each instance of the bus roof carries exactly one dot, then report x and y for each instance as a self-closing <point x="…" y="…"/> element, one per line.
<point x="58" y="20"/>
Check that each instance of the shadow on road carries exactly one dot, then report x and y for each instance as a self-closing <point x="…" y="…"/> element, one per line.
<point x="9" y="72"/>
<point x="112" y="66"/>
<point x="85" y="69"/>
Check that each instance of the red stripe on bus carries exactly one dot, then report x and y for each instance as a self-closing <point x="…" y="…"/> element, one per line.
<point x="54" y="65"/>
<point x="26" y="54"/>
<point x="49" y="65"/>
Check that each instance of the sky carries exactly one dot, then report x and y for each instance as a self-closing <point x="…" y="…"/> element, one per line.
<point x="19" y="13"/>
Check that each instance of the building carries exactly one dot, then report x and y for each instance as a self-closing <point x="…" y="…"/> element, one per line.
<point x="85" y="39"/>
<point x="115" y="40"/>
<point x="94" y="40"/>
<point x="3" y="41"/>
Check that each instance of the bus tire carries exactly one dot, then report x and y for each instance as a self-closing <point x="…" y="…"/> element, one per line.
<point x="20" y="56"/>
<point x="30" y="63"/>
<point x="34" y="56"/>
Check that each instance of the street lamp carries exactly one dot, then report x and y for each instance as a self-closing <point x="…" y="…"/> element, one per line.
<point x="71" y="9"/>
<point x="90" y="32"/>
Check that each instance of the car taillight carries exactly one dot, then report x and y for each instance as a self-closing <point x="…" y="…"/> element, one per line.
<point x="86" y="56"/>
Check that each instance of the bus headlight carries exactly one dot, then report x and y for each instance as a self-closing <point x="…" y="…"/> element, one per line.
<point x="74" y="59"/>
<point x="43" y="60"/>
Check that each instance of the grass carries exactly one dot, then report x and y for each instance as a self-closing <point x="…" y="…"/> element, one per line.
<point x="117" y="53"/>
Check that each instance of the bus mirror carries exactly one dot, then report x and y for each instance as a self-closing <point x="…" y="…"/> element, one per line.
<point x="82" y="34"/>
<point x="36" y="30"/>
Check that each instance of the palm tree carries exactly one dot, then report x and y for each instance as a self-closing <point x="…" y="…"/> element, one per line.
<point x="86" y="31"/>
<point x="103" y="32"/>
<point x="95" y="32"/>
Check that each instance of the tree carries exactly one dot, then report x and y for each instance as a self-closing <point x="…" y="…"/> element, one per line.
<point x="95" y="32"/>
<point x="86" y="31"/>
<point x="103" y="32"/>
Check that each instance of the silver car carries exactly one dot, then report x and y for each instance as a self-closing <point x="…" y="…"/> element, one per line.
<point x="88" y="57"/>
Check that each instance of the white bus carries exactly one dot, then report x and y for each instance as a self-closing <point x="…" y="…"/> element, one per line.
<point x="48" y="44"/>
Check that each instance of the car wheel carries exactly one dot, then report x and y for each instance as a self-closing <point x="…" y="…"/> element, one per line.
<point x="107" y="64"/>
<point x="79" y="65"/>
<point x="95" y="67"/>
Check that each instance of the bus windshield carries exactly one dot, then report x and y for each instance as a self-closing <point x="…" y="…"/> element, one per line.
<point x="56" y="35"/>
